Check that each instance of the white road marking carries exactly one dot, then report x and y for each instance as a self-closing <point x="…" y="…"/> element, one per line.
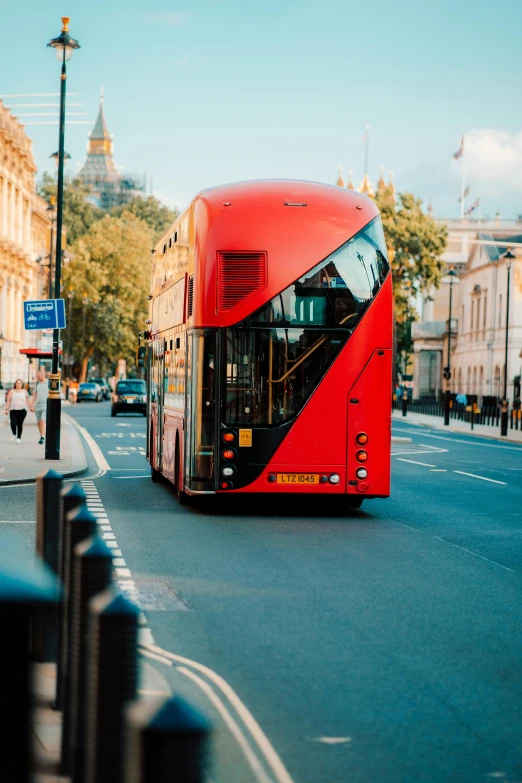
<point x="131" y="477"/>
<point x="95" y="449"/>
<point x="333" y="740"/>
<point x="252" y="759"/>
<point x="482" y="478"/>
<point x="438" y="470"/>
<point x="413" y="462"/>
<point x="246" y="716"/>
<point x="17" y="522"/>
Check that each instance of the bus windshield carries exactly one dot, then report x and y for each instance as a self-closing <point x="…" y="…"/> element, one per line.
<point x="276" y="357"/>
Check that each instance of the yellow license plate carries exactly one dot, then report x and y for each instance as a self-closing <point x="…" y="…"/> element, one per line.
<point x="297" y="478"/>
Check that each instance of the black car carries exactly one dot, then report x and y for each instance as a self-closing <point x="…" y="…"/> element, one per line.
<point x="104" y="386"/>
<point x="89" y="391"/>
<point x="130" y="396"/>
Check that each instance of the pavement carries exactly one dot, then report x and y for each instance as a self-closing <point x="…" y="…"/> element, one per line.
<point x="382" y="645"/>
<point x="22" y="462"/>
<point x="479" y="430"/>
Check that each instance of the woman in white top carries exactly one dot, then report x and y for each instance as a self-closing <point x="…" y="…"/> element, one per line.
<point x="17" y="405"/>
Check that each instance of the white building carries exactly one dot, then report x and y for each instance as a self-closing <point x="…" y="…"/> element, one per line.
<point x="478" y="315"/>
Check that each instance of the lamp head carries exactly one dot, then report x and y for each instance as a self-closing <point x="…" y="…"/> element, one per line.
<point x="509" y="257"/>
<point x="64" y="45"/>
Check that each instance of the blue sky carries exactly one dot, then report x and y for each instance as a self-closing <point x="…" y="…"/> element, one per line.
<point x="209" y="91"/>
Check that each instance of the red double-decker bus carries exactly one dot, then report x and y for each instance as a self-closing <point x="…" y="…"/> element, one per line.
<point x="270" y="344"/>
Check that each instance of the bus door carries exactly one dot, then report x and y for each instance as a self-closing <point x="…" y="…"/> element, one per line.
<point x="159" y="361"/>
<point x="201" y="405"/>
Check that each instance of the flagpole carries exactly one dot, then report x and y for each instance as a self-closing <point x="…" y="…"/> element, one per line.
<point x="462" y="196"/>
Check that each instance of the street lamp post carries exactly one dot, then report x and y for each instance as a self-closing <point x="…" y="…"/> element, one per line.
<point x="447" y="369"/>
<point x="52" y="209"/>
<point x="70" y="297"/>
<point x="64" y="46"/>
<point x="504" y="409"/>
<point x="2" y="341"/>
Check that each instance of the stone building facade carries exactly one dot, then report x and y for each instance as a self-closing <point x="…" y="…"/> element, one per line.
<point x="24" y="237"/>
<point x="476" y="252"/>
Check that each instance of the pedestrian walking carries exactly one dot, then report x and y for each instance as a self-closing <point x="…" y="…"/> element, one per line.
<point x="73" y="391"/>
<point x="17" y="404"/>
<point x="461" y="398"/>
<point x="39" y="401"/>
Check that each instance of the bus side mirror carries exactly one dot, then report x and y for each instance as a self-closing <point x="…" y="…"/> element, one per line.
<point x="141" y="355"/>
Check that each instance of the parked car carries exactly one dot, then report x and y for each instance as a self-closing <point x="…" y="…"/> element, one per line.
<point x="90" y="391"/>
<point x="102" y="383"/>
<point x="129" y="396"/>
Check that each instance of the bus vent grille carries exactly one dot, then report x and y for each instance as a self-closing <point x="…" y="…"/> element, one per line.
<point x="240" y="275"/>
<point x="190" y="297"/>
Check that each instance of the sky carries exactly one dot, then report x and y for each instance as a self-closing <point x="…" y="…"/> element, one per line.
<point x="202" y="92"/>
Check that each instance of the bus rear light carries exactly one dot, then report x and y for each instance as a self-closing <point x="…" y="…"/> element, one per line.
<point x="335" y="478"/>
<point x="361" y="439"/>
<point x="228" y="470"/>
<point x="228" y="454"/>
<point x="229" y="437"/>
<point x="361" y="473"/>
<point x="226" y="485"/>
<point x="361" y="456"/>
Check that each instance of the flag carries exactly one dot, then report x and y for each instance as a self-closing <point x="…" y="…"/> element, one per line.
<point x="460" y="151"/>
<point x="466" y="193"/>
<point x="475" y="205"/>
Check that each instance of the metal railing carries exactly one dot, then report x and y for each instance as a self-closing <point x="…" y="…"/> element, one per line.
<point x="473" y="414"/>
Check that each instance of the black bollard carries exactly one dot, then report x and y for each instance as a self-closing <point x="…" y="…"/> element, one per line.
<point x="73" y="497"/>
<point x="404" y="404"/>
<point x="112" y="682"/>
<point x="92" y="573"/>
<point x="79" y="525"/>
<point x="48" y="513"/>
<point x="26" y="587"/>
<point x="166" y="740"/>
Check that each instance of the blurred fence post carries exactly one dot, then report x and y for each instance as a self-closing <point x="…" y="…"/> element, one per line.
<point x="26" y="587"/>
<point x="48" y="513"/>
<point x="111" y="682"/>
<point x="92" y="573"/>
<point x="79" y="525"/>
<point x="166" y="740"/>
<point x="73" y="497"/>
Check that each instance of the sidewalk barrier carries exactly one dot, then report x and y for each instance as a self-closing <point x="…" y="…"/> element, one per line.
<point x="73" y="497"/>
<point x="25" y="589"/>
<point x="404" y="404"/>
<point x="92" y="573"/>
<point x="48" y="513"/>
<point x="79" y="525"/>
<point x="112" y="682"/>
<point x="166" y="740"/>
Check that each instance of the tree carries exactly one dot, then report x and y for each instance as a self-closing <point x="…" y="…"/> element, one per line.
<point x="415" y="246"/>
<point x="110" y="278"/>
<point x="156" y="215"/>
<point x="79" y="213"/>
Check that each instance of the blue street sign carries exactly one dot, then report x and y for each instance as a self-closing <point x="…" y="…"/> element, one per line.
<point x="45" y="314"/>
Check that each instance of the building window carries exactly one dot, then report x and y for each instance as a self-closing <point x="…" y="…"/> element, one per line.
<point x="484" y="312"/>
<point x="472" y="319"/>
<point x="478" y="312"/>
<point x="499" y="310"/>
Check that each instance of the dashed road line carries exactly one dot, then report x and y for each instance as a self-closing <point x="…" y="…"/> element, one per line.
<point x="482" y="478"/>
<point x="123" y="574"/>
<point x="413" y="462"/>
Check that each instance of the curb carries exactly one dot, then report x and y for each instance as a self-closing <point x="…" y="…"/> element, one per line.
<point x="79" y="459"/>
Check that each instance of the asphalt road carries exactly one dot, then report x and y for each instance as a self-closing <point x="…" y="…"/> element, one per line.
<point x="380" y="647"/>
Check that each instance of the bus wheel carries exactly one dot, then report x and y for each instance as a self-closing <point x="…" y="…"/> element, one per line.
<point x="181" y="496"/>
<point x="155" y="475"/>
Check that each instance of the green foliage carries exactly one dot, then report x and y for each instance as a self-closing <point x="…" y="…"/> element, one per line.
<point x="79" y="213"/>
<point x="156" y="215"/>
<point x="415" y="246"/>
<point x="110" y="279"/>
